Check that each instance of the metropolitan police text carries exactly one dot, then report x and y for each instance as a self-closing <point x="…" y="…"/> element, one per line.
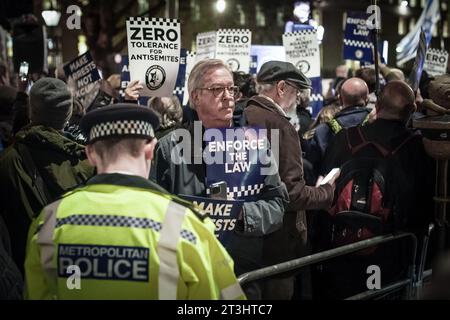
<point x="155" y="40"/>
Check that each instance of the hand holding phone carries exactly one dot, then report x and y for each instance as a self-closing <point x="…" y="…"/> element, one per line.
<point x="218" y="190"/>
<point x="23" y="71"/>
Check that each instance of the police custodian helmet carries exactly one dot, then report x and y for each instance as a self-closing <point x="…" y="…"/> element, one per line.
<point x="119" y="120"/>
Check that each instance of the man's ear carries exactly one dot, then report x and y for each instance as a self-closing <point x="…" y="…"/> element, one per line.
<point x="194" y="97"/>
<point x="281" y="87"/>
<point x="91" y="155"/>
<point x="149" y="149"/>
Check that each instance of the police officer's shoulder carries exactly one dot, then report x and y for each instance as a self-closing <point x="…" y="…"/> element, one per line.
<point x="187" y="204"/>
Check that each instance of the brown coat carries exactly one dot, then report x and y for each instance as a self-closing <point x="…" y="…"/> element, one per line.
<point x="262" y="112"/>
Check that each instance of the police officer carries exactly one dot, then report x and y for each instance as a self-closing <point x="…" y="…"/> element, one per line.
<point x="122" y="236"/>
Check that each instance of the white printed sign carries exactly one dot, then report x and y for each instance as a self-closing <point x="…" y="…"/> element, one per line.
<point x="436" y="62"/>
<point x="206" y="45"/>
<point x="233" y="47"/>
<point x="154" y="54"/>
<point x="302" y="50"/>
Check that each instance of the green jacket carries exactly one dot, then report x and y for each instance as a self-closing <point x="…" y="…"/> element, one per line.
<point x="60" y="162"/>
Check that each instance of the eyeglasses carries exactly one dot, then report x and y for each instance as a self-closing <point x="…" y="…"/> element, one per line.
<point x="219" y="91"/>
<point x="298" y="92"/>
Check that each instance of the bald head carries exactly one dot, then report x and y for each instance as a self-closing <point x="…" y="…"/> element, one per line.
<point x="354" y="92"/>
<point x="396" y="102"/>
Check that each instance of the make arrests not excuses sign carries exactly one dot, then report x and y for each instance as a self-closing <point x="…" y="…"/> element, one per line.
<point x="82" y="78"/>
<point x="302" y="50"/>
<point x="154" y="54"/>
<point x="233" y="47"/>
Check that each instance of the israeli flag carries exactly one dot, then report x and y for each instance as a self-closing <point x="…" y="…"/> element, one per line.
<point x="406" y="49"/>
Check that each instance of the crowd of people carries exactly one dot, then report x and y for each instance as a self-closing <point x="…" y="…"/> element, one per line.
<point x="95" y="186"/>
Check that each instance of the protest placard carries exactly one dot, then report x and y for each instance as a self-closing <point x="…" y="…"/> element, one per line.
<point x="224" y="214"/>
<point x="233" y="47"/>
<point x="206" y="45"/>
<point x="436" y="62"/>
<point x="357" y="39"/>
<point x="302" y="50"/>
<point x="83" y="78"/>
<point x="236" y="156"/>
<point x="125" y="80"/>
<point x="154" y="54"/>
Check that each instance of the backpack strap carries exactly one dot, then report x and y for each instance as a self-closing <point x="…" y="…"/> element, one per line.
<point x="356" y="141"/>
<point x="405" y="138"/>
<point x="33" y="172"/>
<point x="334" y="125"/>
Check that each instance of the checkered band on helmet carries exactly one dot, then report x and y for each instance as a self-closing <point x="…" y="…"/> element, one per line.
<point x="121" y="128"/>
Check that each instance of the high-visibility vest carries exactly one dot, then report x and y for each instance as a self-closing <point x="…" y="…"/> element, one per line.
<point x="116" y="242"/>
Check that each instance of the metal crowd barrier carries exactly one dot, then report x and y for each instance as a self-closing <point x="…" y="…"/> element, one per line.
<point x="340" y="251"/>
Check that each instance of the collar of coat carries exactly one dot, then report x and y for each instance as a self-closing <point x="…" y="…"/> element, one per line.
<point x="126" y="180"/>
<point x="36" y="136"/>
<point x="268" y="104"/>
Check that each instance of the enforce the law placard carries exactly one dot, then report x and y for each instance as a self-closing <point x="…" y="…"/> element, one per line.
<point x="154" y="54"/>
<point x="233" y="47"/>
<point x="302" y="50"/>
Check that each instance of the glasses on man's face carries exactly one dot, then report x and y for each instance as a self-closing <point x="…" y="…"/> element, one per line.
<point x="219" y="91"/>
<point x="297" y="92"/>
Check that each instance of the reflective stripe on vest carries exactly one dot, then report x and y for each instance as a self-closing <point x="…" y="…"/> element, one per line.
<point x="45" y="242"/>
<point x="167" y="251"/>
<point x="232" y="292"/>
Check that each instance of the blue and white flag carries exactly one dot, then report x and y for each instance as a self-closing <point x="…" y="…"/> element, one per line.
<point x="407" y="47"/>
<point x="358" y="44"/>
<point x="416" y="72"/>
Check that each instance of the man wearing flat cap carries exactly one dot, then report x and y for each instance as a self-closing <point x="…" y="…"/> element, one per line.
<point x="280" y="83"/>
<point x="41" y="165"/>
<point x="127" y="237"/>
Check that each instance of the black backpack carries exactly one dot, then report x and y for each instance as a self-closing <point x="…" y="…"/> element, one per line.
<point x="371" y="192"/>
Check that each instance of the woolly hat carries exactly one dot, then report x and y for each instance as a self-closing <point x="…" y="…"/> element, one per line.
<point x="50" y="103"/>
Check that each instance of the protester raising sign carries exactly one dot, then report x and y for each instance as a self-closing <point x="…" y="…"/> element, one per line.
<point x="206" y="45"/>
<point x="357" y="40"/>
<point x="233" y="47"/>
<point x="302" y="50"/>
<point x="154" y="54"/>
<point x="83" y="78"/>
<point x="436" y="62"/>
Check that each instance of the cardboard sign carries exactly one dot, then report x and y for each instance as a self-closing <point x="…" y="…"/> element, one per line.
<point x="224" y="214"/>
<point x="233" y="47"/>
<point x="357" y="40"/>
<point x="302" y="50"/>
<point x="83" y="78"/>
<point x="154" y="54"/>
<point x="436" y="62"/>
<point x="206" y="45"/>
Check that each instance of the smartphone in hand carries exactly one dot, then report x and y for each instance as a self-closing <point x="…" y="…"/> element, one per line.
<point x="218" y="190"/>
<point x="331" y="176"/>
<point x="23" y="71"/>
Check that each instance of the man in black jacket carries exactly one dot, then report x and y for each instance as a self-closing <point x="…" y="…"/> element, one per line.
<point x="394" y="107"/>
